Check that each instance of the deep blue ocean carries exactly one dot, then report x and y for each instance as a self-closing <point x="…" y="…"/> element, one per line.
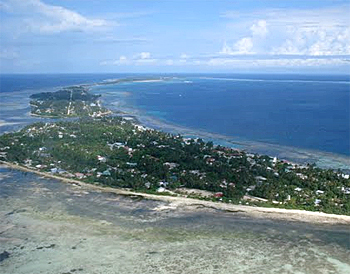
<point x="302" y="111"/>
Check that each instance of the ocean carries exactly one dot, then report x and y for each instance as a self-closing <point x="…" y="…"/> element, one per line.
<point x="48" y="226"/>
<point x="305" y="115"/>
<point x="311" y="113"/>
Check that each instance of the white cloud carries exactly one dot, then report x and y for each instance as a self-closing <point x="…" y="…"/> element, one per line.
<point x="143" y="58"/>
<point x="316" y="41"/>
<point x="259" y="28"/>
<point x="144" y="55"/>
<point x="123" y="60"/>
<point x="49" y="19"/>
<point x="137" y="59"/>
<point x="273" y="63"/>
<point x="314" y="32"/>
<point x="245" y="45"/>
<point x="242" y="46"/>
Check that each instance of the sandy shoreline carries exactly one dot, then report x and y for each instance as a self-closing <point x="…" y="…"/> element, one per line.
<point x="182" y="202"/>
<point x="148" y="81"/>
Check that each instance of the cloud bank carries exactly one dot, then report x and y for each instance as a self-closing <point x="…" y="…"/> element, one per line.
<point x="38" y="17"/>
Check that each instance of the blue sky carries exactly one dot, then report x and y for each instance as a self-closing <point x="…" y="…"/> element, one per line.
<point x="72" y="36"/>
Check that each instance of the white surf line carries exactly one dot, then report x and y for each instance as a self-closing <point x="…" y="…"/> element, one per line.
<point x="276" y="80"/>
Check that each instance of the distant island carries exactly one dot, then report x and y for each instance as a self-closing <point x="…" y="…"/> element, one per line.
<point x="73" y="101"/>
<point x="118" y="152"/>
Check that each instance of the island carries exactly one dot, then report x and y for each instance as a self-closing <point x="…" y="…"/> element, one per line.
<point x="118" y="152"/>
<point x="75" y="101"/>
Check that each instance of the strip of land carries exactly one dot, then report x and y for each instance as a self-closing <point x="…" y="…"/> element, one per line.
<point x="75" y="101"/>
<point x="116" y="152"/>
<point x="119" y="154"/>
<point x="182" y="202"/>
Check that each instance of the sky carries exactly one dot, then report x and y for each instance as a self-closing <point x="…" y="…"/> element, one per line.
<point x="96" y="36"/>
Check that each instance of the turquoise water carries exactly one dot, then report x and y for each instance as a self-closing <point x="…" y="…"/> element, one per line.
<point x="311" y="114"/>
<point x="302" y="121"/>
<point x="50" y="227"/>
<point x="297" y="118"/>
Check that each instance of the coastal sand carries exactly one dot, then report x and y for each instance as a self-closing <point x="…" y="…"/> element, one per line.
<point x="55" y="228"/>
<point x="181" y="202"/>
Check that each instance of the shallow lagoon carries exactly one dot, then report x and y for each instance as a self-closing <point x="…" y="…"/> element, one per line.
<point x="51" y="227"/>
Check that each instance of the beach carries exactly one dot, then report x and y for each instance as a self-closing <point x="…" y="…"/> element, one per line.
<point x="51" y="224"/>
<point x="175" y="203"/>
<point x="47" y="226"/>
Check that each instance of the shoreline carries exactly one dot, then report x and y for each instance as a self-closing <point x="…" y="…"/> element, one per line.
<point x="322" y="159"/>
<point x="291" y="154"/>
<point x="183" y="202"/>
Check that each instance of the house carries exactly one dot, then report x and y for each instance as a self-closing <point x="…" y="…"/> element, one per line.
<point x="161" y="189"/>
<point x="106" y="173"/>
<point x="317" y="202"/>
<point x="223" y="184"/>
<point x="140" y="128"/>
<point x="250" y="188"/>
<point x="27" y="162"/>
<point x="171" y="165"/>
<point x="260" y="178"/>
<point x="61" y="171"/>
<point x="274" y="160"/>
<point x="301" y="176"/>
<point x="117" y="145"/>
<point x="345" y="190"/>
<point x="79" y="175"/>
<point x="345" y="176"/>
<point x="210" y="160"/>
<point x="163" y="184"/>
<point x="218" y="194"/>
<point x="101" y="158"/>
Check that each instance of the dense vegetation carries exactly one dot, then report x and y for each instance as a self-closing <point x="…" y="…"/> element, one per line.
<point x="73" y="101"/>
<point x="119" y="153"/>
